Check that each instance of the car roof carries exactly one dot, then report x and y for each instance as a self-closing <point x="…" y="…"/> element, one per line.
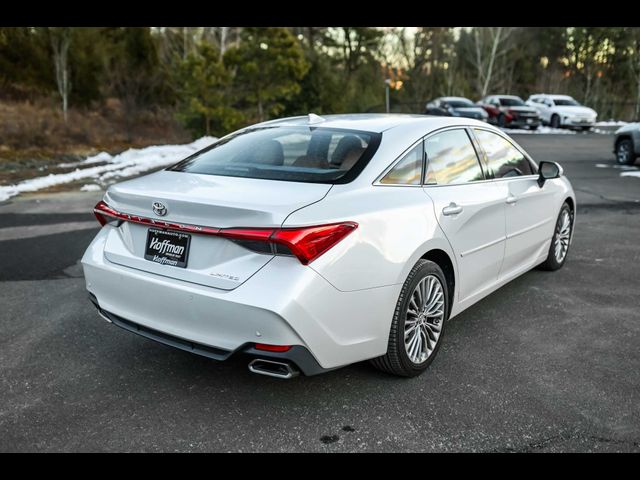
<point x="372" y="122"/>
<point x="506" y="96"/>
<point x="454" y="98"/>
<point x="551" y="95"/>
<point x="564" y="97"/>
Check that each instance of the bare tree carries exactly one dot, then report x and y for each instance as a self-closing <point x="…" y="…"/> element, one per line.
<point x="490" y="43"/>
<point x="60" y="38"/>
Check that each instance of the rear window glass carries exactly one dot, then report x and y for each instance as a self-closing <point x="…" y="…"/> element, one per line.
<point x="297" y="154"/>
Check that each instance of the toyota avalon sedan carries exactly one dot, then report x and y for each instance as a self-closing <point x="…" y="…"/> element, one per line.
<point x="311" y="243"/>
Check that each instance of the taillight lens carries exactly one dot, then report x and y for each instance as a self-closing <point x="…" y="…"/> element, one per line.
<point x="306" y="243"/>
<point x="310" y="242"/>
<point x="105" y="214"/>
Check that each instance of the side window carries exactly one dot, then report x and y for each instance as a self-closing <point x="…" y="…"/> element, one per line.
<point x="407" y="171"/>
<point x="451" y="159"/>
<point x="503" y="159"/>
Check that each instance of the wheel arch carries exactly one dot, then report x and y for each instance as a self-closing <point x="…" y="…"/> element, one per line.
<point x="444" y="261"/>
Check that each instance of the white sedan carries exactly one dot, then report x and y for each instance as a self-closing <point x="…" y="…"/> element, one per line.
<point x="563" y="111"/>
<point x="311" y="243"/>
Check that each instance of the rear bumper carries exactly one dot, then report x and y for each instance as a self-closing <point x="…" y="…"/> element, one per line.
<point x="284" y="303"/>
<point x="297" y="355"/>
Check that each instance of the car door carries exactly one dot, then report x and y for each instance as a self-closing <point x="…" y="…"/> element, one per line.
<point x="529" y="209"/>
<point x="469" y="209"/>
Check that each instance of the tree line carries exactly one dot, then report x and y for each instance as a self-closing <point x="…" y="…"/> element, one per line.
<point x="216" y="79"/>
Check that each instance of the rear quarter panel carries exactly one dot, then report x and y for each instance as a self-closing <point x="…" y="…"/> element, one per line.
<point x="396" y="227"/>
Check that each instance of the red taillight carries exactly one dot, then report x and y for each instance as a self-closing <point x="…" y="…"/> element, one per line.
<point x="273" y="348"/>
<point x="102" y="211"/>
<point x="306" y="243"/>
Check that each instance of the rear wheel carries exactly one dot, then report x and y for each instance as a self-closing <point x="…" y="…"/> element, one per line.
<point x="624" y="152"/>
<point x="418" y="322"/>
<point x="502" y="120"/>
<point x="555" y="121"/>
<point x="560" y="241"/>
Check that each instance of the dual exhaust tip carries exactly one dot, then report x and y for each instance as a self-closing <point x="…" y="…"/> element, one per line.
<point x="273" y="368"/>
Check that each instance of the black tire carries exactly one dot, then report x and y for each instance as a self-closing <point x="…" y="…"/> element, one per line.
<point x="534" y="127"/>
<point x="555" y="121"/>
<point x="552" y="263"/>
<point x="585" y="128"/>
<point x="624" y="152"/>
<point x="502" y="120"/>
<point x="396" y="361"/>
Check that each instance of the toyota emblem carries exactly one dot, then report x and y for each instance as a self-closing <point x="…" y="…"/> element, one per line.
<point x="159" y="209"/>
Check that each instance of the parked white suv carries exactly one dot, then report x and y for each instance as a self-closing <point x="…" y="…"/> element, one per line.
<point x="562" y="111"/>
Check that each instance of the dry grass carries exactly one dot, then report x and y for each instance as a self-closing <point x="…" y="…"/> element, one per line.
<point x="34" y="136"/>
<point x="37" y="129"/>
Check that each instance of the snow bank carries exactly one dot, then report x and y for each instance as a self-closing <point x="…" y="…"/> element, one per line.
<point x="126" y="164"/>
<point x="610" y="123"/>
<point x="540" y="130"/>
<point x="90" y="187"/>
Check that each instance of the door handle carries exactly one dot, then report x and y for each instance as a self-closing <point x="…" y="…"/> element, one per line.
<point x="452" y="209"/>
<point x="511" y="199"/>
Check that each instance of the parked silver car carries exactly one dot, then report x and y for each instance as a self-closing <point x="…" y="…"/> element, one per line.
<point x="626" y="144"/>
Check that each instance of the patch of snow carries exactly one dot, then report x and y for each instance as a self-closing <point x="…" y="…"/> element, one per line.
<point x="126" y="164"/>
<point x="90" y="187"/>
<point x="615" y="165"/>
<point x="540" y="130"/>
<point x="630" y="173"/>
<point x="610" y="123"/>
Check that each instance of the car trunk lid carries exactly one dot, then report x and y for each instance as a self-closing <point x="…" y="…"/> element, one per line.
<point x="205" y="201"/>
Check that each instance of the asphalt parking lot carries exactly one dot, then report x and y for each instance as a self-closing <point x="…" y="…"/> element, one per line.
<point x="550" y="362"/>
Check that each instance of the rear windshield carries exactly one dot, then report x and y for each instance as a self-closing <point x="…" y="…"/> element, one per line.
<point x="460" y="103"/>
<point x="296" y="154"/>
<point x="566" y="102"/>
<point x="511" y="102"/>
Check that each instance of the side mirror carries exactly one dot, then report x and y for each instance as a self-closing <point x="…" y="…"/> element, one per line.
<point x="547" y="171"/>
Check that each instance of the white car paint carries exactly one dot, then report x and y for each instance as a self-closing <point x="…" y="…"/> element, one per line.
<point x="569" y="115"/>
<point x="341" y="305"/>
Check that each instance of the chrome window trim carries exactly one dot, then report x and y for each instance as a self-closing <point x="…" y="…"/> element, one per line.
<point x="474" y="141"/>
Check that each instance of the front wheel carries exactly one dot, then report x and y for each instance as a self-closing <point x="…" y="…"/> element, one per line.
<point x="560" y="241"/>
<point x="418" y="322"/>
<point x="502" y="121"/>
<point x="555" y="121"/>
<point x="624" y="152"/>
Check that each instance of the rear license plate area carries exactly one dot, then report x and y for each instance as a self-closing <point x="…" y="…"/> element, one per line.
<point x="167" y="247"/>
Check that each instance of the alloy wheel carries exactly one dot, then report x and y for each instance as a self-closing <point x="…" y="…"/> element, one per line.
<point x="424" y="317"/>
<point x="563" y="234"/>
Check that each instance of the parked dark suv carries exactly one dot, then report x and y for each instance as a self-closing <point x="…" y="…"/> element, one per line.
<point x="455" y="107"/>
<point x="510" y="111"/>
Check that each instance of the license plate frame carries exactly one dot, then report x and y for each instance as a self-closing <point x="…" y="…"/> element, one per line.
<point x="170" y="248"/>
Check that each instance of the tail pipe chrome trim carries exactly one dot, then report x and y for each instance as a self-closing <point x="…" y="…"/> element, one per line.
<point x="272" y="368"/>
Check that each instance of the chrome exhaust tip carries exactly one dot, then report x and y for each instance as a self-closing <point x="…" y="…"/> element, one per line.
<point x="272" y="368"/>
